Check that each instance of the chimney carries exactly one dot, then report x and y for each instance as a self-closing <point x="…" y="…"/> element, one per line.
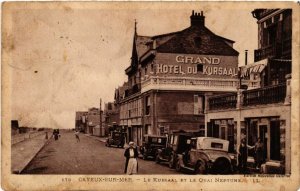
<point x="197" y="19"/>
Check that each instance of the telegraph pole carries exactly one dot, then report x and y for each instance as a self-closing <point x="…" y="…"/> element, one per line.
<point x="100" y="125"/>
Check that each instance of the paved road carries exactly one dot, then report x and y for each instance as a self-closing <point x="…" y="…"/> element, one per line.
<point x="89" y="156"/>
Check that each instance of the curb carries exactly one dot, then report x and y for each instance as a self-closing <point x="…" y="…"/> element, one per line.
<point x="95" y="138"/>
<point x="20" y="171"/>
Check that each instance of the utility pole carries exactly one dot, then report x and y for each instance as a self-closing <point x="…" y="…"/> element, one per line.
<point x="100" y="125"/>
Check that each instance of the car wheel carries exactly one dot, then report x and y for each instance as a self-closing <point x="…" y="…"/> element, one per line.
<point x="222" y="166"/>
<point x="157" y="159"/>
<point x="171" y="162"/>
<point x="178" y="167"/>
<point x="201" y="168"/>
<point x="145" y="156"/>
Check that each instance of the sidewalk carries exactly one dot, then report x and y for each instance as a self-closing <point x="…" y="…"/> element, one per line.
<point x="101" y="139"/>
<point x="23" y="152"/>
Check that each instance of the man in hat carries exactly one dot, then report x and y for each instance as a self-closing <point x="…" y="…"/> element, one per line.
<point x="131" y="154"/>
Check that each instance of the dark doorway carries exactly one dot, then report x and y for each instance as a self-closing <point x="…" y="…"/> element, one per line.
<point x="275" y="140"/>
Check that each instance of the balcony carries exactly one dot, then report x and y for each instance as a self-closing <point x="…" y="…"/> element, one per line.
<point x="189" y="83"/>
<point x="266" y="95"/>
<point x="225" y="101"/>
<point x="135" y="89"/>
<point x="261" y="96"/>
<point x="278" y="50"/>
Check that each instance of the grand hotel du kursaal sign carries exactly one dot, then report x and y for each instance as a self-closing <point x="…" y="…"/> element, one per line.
<point x="222" y="66"/>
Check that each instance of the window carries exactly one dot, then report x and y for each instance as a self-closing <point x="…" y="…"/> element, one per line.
<point x="109" y="106"/>
<point x="198" y="105"/>
<point x="199" y="68"/>
<point x="146" y="130"/>
<point x="216" y="145"/>
<point x="162" y="130"/>
<point x="148" y="105"/>
<point x="202" y="130"/>
<point x="193" y="143"/>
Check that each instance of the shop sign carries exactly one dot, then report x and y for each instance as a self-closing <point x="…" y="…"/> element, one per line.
<point x="197" y="60"/>
<point x="189" y="65"/>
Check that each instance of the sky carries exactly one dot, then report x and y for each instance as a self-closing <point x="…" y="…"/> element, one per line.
<point x="66" y="59"/>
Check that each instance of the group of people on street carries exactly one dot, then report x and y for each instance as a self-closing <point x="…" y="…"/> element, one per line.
<point x="243" y="154"/>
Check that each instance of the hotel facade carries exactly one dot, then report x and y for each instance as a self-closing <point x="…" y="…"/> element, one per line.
<point x="170" y="77"/>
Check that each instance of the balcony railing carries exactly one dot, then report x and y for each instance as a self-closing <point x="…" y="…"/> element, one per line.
<point x="189" y="83"/>
<point x="265" y="52"/>
<point x="135" y="89"/>
<point x="266" y="95"/>
<point x="261" y="96"/>
<point x="226" y="101"/>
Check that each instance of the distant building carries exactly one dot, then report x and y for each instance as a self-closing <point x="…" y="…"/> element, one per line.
<point x="111" y="116"/>
<point x="80" y="121"/>
<point x="264" y="110"/>
<point x="171" y="75"/>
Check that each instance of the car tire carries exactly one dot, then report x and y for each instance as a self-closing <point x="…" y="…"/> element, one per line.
<point x="201" y="167"/>
<point x="221" y="166"/>
<point x="157" y="159"/>
<point x="177" y="166"/>
<point x="171" y="161"/>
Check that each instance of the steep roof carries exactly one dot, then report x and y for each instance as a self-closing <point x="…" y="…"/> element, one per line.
<point x="142" y="44"/>
<point x="197" y="40"/>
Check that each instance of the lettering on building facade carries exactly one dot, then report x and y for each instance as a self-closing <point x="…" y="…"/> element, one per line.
<point x="204" y="65"/>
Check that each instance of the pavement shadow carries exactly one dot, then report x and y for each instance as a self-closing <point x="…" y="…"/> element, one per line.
<point x="38" y="170"/>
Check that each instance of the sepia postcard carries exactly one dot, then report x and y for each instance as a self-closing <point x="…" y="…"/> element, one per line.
<point x="150" y="96"/>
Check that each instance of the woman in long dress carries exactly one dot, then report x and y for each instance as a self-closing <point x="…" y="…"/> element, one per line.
<point x="131" y="154"/>
<point x="259" y="153"/>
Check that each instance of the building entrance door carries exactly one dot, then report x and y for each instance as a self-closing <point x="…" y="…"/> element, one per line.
<point x="263" y="135"/>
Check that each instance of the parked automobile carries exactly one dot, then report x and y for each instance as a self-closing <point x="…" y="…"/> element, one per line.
<point x="151" y="143"/>
<point x="116" y="138"/>
<point x="206" y="155"/>
<point x="177" y="143"/>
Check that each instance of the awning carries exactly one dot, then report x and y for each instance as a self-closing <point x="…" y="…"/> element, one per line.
<point x="256" y="67"/>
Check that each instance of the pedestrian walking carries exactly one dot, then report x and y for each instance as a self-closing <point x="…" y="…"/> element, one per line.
<point x="131" y="154"/>
<point x="55" y="134"/>
<point x="259" y="153"/>
<point x="77" y="136"/>
<point x="243" y="155"/>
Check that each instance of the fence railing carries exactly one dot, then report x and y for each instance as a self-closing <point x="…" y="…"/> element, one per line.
<point x="266" y="95"/>
<point x="226" y="101"/>
<point x="260" y="96"/>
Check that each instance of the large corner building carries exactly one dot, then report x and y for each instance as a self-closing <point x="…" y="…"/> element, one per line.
<point x="170" y="77"/>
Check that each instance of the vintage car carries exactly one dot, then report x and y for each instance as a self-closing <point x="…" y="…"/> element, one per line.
<point x="206" y="155"/>
<point x="177" y="143"/>
<point x="116" y="138"/>
<point x="150" y="145"/>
